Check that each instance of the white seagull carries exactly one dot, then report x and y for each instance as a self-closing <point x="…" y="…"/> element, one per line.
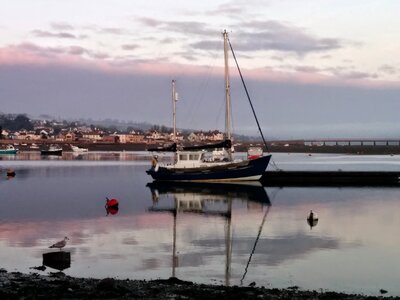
<point x="60" y="244"/>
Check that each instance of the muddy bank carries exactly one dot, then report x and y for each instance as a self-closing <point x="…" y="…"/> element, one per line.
<point x="15" y="285"/>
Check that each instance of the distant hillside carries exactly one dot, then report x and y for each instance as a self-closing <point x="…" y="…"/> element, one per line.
<point x="110" y="124"/>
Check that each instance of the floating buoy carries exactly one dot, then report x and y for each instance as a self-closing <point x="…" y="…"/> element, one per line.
<point x="312" y="219"/>
<point x="10" y="173"/>
<point x="111" y="206"/>
<point x="112" y="202"/>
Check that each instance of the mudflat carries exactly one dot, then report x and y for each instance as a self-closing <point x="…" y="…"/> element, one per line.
<point x="15" y="285"/>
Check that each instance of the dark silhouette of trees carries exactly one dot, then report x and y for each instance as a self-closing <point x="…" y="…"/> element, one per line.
<point x="18" y="123"/>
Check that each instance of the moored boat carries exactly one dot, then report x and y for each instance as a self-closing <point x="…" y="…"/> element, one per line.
<point x="9" y="149"/>
<point x="78" y="149"/>
<point x="209" y="162"/>
<point x="201" y="165"/>
<point x="52" y="150"/>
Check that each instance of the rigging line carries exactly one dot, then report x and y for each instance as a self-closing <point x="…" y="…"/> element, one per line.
<point x="202" y="88"/>
<point x="248" y="96"/>
<point x="255" y="244"/>
<point x="251" y="104"/>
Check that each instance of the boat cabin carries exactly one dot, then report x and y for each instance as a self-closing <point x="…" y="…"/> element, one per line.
<point x="188" y="159"/>
<point x="191" y="159"/>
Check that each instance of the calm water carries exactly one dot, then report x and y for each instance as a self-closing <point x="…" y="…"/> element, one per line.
<point x="220" y="234"/>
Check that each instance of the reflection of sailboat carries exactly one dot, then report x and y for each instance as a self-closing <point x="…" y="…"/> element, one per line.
<point x="245" y="191"/>
<point x="190" y="197"/>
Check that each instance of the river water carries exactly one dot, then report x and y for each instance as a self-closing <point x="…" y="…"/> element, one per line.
<point x="207" y="233"/>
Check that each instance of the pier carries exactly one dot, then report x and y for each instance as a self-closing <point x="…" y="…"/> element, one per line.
<point x="352" y="142"/>
<point x="330" y="178"/>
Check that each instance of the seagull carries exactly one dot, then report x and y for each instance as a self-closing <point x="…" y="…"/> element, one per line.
<point x="60" y="244"/>
<point x="312" y="216"/>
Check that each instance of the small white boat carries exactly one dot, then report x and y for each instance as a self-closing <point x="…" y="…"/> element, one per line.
<point x="78" y="149"/>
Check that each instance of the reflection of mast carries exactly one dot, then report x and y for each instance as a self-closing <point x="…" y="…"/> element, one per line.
<point x="174" y="257"/>
<point x="255" y="244"/>
<point x="228" y="244"/>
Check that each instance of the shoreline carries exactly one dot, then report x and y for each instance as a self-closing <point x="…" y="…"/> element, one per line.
<point x="295" y="147"/>
<point x="16" y="285"/>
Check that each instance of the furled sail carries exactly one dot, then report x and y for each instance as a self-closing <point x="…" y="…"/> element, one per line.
<point x="225" y="144"/>
<point x="170" y="148"/>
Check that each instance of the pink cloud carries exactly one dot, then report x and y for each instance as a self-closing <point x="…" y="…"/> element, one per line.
<point x="79" y="57"/>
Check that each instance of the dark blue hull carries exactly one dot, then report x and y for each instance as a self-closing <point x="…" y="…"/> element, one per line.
<point x="242" y="171"/>
<point x="51" y="152"/>
<point x="248" y="191"/>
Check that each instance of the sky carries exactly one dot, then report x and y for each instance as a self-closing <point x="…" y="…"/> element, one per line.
<point x="313" y="69"/>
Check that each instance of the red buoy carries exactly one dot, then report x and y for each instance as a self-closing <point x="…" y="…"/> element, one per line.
<point x="111" y="206"/>
<point x="112" y="203"/>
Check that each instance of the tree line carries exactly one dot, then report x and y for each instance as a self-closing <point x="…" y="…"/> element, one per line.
<point x="16" y="123"/>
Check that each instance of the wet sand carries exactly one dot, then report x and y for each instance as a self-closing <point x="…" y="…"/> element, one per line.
<point x="15" y="285"/>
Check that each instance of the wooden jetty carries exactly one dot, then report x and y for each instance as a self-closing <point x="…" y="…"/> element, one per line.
<point x="330" y="178"/>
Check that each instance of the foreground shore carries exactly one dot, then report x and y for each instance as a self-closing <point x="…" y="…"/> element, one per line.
<point x="15" y="285"/>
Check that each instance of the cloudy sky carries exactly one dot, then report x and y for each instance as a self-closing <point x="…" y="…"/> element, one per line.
<point x="313" y="68"/>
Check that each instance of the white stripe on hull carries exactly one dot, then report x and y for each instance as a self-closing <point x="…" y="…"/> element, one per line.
<point x="249" y="178"/>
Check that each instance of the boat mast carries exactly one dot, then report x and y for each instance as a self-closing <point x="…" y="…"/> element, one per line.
<point x="174" y="99"/>
<point x="228" y="129"/>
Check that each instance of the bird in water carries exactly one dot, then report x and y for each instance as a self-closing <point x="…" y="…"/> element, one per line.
<point x="312" y="216"/>
<point x="60" y="244"/>
<point x="312" y="219"/>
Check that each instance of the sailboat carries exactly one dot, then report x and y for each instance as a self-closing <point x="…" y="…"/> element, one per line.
<point x="210" y="162"/>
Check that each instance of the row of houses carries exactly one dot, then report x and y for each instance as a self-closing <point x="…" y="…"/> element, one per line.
<point x="99" y="136"/>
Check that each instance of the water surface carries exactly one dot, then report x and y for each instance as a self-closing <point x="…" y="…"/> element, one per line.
<point x="219" y="234"/>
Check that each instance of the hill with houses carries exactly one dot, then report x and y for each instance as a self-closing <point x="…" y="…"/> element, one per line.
<point x="29" y="130"/>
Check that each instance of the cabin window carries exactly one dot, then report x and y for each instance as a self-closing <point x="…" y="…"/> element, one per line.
<point x="193" y="157"/>
<point x="182" y="156"/>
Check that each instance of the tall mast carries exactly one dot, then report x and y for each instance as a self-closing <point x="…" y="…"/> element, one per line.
<point x="228" y="129"/>
<point x="174" y="99"/>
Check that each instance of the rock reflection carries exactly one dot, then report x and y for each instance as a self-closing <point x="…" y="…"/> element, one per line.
<point x="59" y="260"/>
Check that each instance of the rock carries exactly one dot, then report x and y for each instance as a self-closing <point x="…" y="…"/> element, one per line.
<point x="107" y="284"/>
